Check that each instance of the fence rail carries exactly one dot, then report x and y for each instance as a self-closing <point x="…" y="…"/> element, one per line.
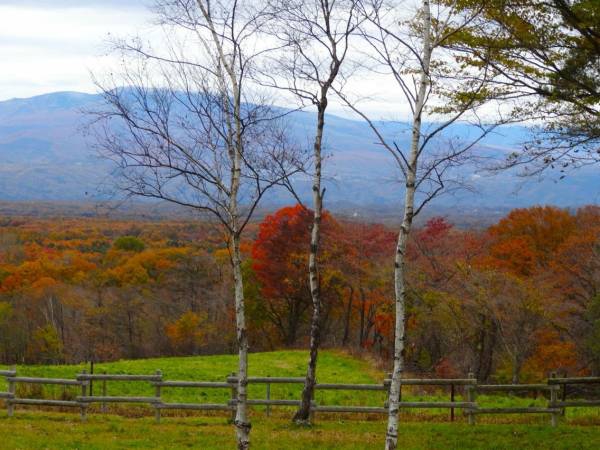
<point x="11" y="398"/>
<point x="562" y="383"/>
<point x="470" y="406"/>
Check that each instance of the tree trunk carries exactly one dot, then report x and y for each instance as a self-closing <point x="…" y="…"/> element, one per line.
<point x="242" y="424"/>
<point x="347" y="318"/>
<point x="241" y="418"/>
<point x="130" y="332"/>
<point x="303" y="414"/>
<point x="516" y="369"/>
<point x="391" y="441"/>
<point x="361" y="335"/>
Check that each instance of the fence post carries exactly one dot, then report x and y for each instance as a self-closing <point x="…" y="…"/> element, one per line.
<point x="104" y="391"/>
<point x="452" y="401"/>
<point x="10" y="407"/>
<point x="471" y="396"/>
<point x="564" y="397"/>
<point x="268" y="397"/>
<point x="91" y="381"/>
<point x="554" y="398"/>
<point x="83" y="394"/>
<point x="234" y="397"/>
<point x="157" y="394"/>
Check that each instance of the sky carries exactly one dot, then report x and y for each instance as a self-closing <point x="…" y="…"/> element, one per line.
<point x="56" y="45"/>
<point x="53" y="45"/>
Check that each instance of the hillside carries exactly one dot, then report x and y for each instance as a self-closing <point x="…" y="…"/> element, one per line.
<point x="44" y="155"/>
<point x="334" y="367"/>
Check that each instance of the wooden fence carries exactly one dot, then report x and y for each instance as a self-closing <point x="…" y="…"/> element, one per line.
<point x="471" y="388"/>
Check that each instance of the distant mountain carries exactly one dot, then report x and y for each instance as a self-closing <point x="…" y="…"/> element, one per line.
<point x="44" y="156"/>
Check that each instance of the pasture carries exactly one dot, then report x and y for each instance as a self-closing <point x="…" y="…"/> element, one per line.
<point x="134" y="427"/>
<point x="43" y="430"/>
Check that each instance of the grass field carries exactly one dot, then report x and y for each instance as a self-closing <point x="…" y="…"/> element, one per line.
<point x="43" y="430"/>
<point x="333" y="367"/>
<point x="135" y="428"/>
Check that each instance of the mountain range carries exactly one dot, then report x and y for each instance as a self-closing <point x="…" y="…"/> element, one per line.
<point x="45" y="156"/>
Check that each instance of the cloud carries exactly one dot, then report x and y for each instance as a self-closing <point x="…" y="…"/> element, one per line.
<point x="49" y="45"/>
<point x="61" y="4"/>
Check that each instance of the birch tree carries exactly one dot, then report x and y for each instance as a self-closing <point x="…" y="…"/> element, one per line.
<point x="190" y="129"/>
<point x="315" y="37"/>
<point x="439" y="92"/>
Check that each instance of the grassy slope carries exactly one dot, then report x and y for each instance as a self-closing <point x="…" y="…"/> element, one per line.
<point x="333" y="367"/>
<point x="46" y="430"/>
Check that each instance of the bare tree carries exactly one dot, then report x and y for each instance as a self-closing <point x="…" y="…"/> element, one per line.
<point x="435" y="86"/>
<point x="190" y="129"/>
<point x="315" y="38"/>
<point x="513" y="308"/>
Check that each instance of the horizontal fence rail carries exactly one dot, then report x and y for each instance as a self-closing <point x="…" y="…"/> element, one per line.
<point x="119" y="377"/>
<point x="469" y="404"/>
<point x="31" y="380"/>
<point x="435" y="382"/>
<point x="572" y="380"/>
<point x="12" y="399"/>
<point x="10" y="394"/>
<point x="514" y="387"/>
<point x="562" y="383"/>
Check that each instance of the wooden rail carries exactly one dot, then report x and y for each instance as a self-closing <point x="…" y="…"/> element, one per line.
<point x="469" y="405"/>
<point x="10" y="394"/>
<point x="119" y="377"/>
<point x="449" y="382"/>
<point x="562" y="383"/>
<point x="434" y="382"/>
<point x="574" y="380"/>
<point x="230" y="406"/>
<point x="31" y="380"/>
<point x="11" y="398"/>
<point x="550" y="409"/>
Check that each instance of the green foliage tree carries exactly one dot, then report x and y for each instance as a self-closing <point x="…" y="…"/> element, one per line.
<point x="129" y="244"/>
<point x="593" y="338"/>
<point x="545" y="56"/>
<point x="46" y="345"/>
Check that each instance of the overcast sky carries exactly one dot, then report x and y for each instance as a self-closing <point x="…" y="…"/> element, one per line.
<point x="55" y="45"/>
<point x="52" y="45"/>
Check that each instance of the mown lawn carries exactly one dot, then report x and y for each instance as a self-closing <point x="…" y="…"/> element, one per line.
<point x="60" y="431"/>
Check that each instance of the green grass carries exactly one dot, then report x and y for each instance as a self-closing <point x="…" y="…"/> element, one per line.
<point x="334" y="367"/>
<point x="58" y="431"/>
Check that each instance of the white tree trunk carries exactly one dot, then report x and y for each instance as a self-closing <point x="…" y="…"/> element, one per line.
<point x="242" y="423"/>
<point x="303" y="413"/>
<point x="391" y="441"/>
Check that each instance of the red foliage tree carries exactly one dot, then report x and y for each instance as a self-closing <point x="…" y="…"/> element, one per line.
<point x="280" y="261"/>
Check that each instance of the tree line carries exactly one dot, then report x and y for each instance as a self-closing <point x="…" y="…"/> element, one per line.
<point x="511" y="303"/>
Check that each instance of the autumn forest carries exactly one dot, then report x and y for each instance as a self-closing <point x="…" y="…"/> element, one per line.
<point x="511" y="303"/>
